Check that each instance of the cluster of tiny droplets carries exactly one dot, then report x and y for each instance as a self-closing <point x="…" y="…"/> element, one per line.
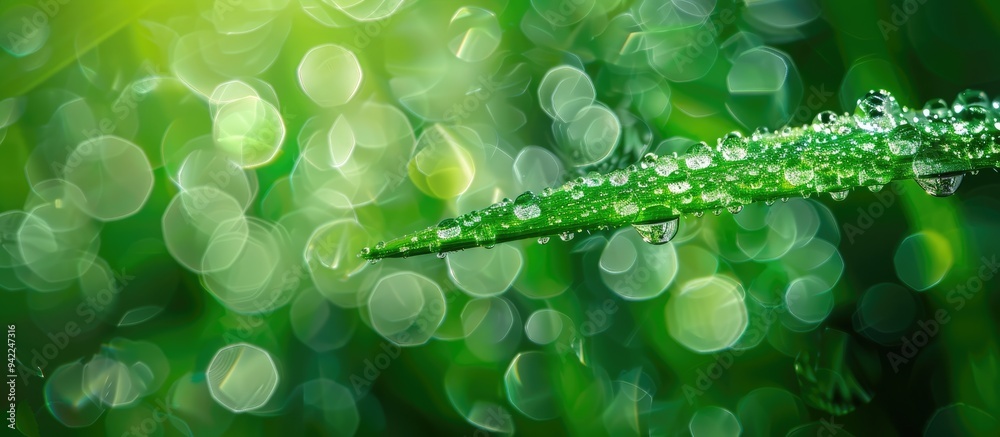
<point x="880" y="142"/>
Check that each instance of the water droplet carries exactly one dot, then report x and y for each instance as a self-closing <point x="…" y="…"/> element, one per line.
<point x="942" y="186"/>
<point x="526" y="206"/>
<point x="770" y="202"/>
<point x="936" y="109"/>
<point x="547" y="192"/>
<point x="618" y="178"/>
<point x="875" y="188"/>
<point x="566" y="236"/>
<point x="626" y="209"/>
<point x="939" y="161"/>
<point x="648" y="160"/>
<point x="732" y="147"/>
<point x="442" y="255"/>
<point x="543" y="240"/>
<point x="448" y="228"/>
<point x="904" y="140"/>
<point x="485" y="237"/>
<point x="365" y="251"/>
<point x="678" y="187"/>
<point x="593" y="179"/>
<point x="699" y="213"/>
<point x="717" y="211"/>
<point x="875" y="111"/>
<point x="970" y="98"/>
<point x="380" y="245"/>
<point x="976" y="119"/>
<point x="698" y="156"/>
<point x="759" y="133"/>
<point x="839" y="195"/>
<point x="735" y="209"/>
<point x="658" y="233"/>
<point x="666" y="166"/>
<point x="825" y="118"/>
<point x="799" y="175"/>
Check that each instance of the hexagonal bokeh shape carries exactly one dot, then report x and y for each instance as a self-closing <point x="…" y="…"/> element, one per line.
<point x="406" y="308"/>
<point x="242" y="377"/>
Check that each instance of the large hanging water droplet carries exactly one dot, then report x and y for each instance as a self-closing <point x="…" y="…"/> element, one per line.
<point x="442" y="255"/>
<point x="543" y="240"/>
<point x="876" y="111"/>
<point x="448" y="228"/>
<point x="698" y="156"/>
<point x="735" y="209"/>
<point x="936" y="161"/>
<point x="839" y="196"/>
<point x="904" y="140"/>
<point x="526" y="206"/>
<point x="566" y="236"/>
<point x="942" y="186"/>
<point x="658" y="233"/>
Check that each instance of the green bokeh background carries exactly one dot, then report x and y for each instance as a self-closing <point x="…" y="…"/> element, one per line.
<point x="617" y="366"/>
